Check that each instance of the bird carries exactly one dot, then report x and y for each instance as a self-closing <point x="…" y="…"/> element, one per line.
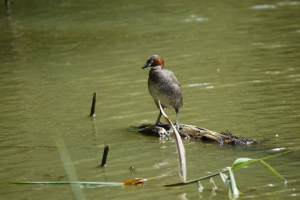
<point x="163" y="86"/>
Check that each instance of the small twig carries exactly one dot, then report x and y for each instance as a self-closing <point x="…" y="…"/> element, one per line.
<point x="94" y="105"/>
<point x="105" y="153"/>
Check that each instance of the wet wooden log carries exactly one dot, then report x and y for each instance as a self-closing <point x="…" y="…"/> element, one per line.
<point x="194" y="132"/>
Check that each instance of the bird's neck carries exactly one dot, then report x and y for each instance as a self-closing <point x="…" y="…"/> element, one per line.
<point x="156" y="74"/>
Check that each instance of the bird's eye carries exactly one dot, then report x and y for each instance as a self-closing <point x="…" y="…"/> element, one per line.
<point x="150" y="63"/>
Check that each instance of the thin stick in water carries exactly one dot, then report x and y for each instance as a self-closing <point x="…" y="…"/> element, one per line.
<point x="94" y="105"/>
<point x="105" y="153"/>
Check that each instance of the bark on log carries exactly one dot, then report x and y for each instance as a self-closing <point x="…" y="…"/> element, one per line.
<point x="194" y="132"/>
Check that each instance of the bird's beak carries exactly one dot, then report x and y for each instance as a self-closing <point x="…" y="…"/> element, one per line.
<point x="146" y="65"/>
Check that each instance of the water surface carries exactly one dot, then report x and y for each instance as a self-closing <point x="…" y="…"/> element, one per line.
<point x="238" y="65"/>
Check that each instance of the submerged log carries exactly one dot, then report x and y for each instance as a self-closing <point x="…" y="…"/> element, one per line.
<point x="194" y="132"/>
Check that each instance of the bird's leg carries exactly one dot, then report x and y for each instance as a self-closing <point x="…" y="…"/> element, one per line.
<point x="177" y="114"/>
<point x="158" y="122"/>
<point x="158" y="119"/>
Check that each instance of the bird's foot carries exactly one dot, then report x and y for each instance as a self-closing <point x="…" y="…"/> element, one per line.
<point x="160" y="124"/>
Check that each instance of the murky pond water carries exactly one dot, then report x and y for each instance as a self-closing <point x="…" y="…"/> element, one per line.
<point x="238" y="63"/>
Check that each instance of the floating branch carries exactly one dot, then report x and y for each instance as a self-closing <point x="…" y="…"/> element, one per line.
<point x="194" y="132"/>
<point x="105" y="153"/>
<point x="94" y="105"/>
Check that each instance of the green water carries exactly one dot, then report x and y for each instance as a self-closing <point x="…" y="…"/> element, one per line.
<point x="238" y="63"/>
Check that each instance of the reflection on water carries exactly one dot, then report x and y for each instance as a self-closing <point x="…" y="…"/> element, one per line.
<point x="237" y="62"/>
